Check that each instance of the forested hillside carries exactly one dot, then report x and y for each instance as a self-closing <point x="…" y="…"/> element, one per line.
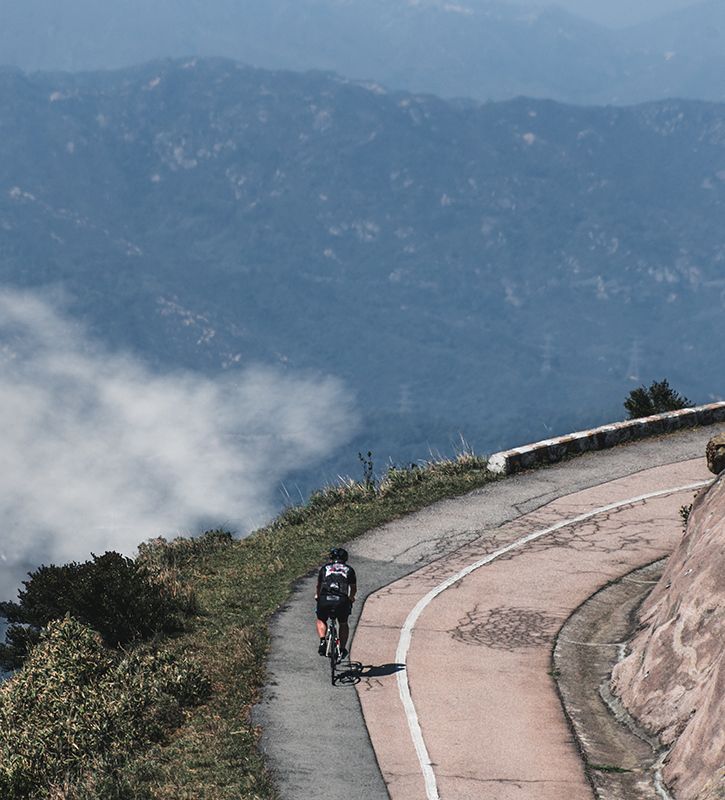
<point x="437" y="256"/>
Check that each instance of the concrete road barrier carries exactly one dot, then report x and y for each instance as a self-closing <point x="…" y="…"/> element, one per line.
<point x="549" y="451"/>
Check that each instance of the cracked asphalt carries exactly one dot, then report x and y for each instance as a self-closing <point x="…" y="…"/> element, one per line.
<point x="314" y="735"/>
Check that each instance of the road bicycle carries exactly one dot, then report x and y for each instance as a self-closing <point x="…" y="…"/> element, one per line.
<point x="332" y="646"/>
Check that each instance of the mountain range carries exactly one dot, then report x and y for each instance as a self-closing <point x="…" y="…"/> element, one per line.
<point x="482" y="49"/>
<point x="502" y="271"/>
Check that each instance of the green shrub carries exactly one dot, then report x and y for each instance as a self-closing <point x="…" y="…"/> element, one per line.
<point x="112" y="594"/>
<point x="685" y="515"/>
<point x="74" y="714"/>
<point x="659" y="398"/>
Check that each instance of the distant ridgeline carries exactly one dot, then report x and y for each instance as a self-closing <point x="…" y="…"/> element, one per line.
<point x="507" y="271"/>
<point x="487" y="49"/>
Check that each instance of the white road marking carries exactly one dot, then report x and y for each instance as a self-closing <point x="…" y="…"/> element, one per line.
<point x="406" y="634"/>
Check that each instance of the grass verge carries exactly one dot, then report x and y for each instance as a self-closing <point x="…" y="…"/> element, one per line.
<point x="238" y="585"/>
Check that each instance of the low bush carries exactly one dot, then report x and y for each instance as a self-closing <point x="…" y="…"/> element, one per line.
<point x="659" y="398"/>
<point x="685" y="515"/>
<point x="73" y="715"/>
<point x="114" y="595"/>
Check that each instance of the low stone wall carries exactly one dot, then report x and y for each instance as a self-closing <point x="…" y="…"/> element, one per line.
<point x="552" y="450"/>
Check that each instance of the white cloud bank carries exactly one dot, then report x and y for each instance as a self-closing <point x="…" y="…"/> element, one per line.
<point x="97" y="452"/>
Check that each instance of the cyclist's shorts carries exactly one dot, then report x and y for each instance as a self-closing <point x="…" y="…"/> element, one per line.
<point x="333" y="605"/>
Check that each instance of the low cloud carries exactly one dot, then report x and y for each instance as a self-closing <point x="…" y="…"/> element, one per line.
<point x="98" y="452"/>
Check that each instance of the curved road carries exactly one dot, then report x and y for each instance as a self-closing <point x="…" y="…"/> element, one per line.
<point x="481" y="719"/>
<point x="483" y="713"/>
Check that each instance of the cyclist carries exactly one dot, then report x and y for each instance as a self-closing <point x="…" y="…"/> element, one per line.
<point x="335" y="594"/>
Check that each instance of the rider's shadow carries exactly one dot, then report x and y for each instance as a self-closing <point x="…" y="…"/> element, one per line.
<point x="352" y="672"/>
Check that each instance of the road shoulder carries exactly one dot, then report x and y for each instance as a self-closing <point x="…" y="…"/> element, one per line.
<point x="619" y="758"/>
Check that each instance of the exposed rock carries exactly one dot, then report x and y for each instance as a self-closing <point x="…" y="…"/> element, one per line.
<point x="715" y="452"/>
<point x="673" y="680"/>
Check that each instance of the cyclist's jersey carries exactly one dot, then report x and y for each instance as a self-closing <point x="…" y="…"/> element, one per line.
<point x="336" y="578"/>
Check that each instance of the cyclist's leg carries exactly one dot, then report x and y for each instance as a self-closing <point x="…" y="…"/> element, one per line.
<point x="321" y="624"/>
<point x="344" y="633"/>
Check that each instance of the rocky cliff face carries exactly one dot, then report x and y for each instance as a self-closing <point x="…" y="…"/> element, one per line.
<point x="673" y="680"/>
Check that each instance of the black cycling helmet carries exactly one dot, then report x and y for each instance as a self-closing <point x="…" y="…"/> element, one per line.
<point x="338" y="554"/>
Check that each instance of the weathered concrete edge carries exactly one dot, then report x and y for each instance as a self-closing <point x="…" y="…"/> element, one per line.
<point x="567" y="692"/>
<point x="550" y="451"/>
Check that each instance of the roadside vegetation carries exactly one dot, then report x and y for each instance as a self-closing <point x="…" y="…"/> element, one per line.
<point x="118" y="597"/>
<point x="657" y="399"/>
<point x="160" y="709"/>
<point x="135" y="678"/>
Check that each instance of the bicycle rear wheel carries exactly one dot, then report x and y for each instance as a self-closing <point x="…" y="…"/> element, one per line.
<point x="332" y="647"/>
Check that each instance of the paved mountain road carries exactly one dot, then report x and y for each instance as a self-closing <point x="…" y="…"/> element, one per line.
<point x="314" y="734"/>
<point x="480" y="701"/>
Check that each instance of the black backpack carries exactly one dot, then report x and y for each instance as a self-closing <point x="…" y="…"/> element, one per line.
<point x="335" y="579"/>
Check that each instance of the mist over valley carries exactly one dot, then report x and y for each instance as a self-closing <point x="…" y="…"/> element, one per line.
<point x="100" y="451"/>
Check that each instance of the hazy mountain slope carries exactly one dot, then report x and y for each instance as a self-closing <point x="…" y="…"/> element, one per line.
<point x="500" y="271"/>
<point x="477" y="48"/>
<point x="695" y="32"/>
<point x="620" y="13"/>
<point x="483" y="49"/>
<point x="683" y="53"/>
